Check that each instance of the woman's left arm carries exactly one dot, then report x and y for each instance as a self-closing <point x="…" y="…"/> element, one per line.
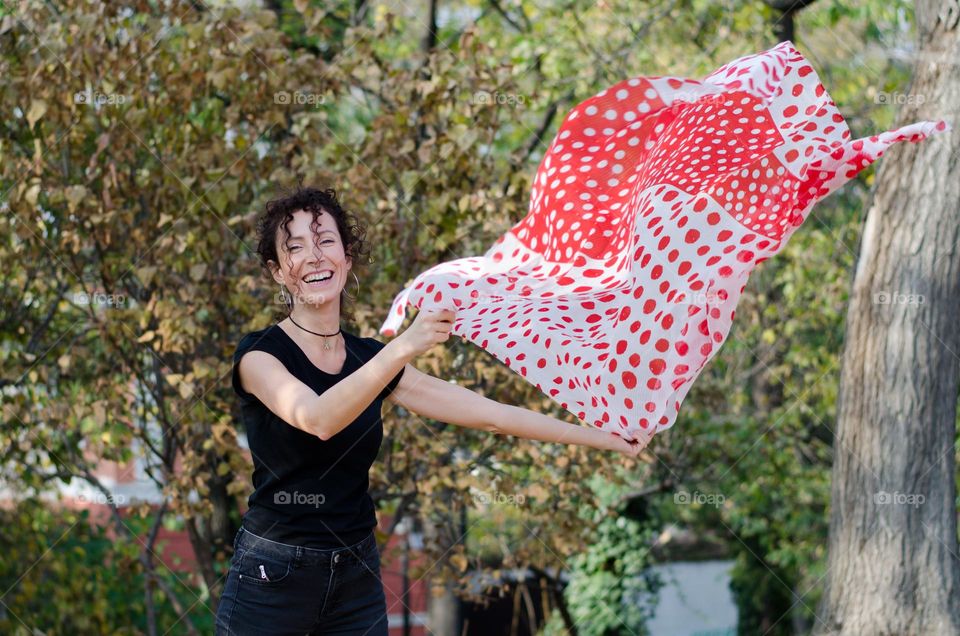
<point x="444" y="401"/>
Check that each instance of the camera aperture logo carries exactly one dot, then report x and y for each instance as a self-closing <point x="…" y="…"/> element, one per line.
<point x="297" y="498"/>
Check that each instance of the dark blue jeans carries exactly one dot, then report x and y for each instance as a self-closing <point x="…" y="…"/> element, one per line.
<point x="276" y="588"/>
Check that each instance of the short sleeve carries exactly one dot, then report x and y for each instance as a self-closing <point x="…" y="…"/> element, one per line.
<point x="376" y="345"/>
<point x="256" y="341"/>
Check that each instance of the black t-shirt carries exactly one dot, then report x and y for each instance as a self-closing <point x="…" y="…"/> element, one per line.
<point x="307" y="491"/>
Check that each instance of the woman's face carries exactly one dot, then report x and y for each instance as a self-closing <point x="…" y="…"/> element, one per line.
<point x="309" y="255"/>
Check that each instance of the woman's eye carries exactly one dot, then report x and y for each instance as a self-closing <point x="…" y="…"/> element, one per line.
<point x="327" y="241"/>
<point x="293" y="248"/>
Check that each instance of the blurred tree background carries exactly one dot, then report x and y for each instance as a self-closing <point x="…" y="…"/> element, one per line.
<point x="139" y="141"/>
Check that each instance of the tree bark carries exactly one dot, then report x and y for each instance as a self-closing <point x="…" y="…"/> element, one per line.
<point x="893" y="565"/>
<point x="444" y="607"/>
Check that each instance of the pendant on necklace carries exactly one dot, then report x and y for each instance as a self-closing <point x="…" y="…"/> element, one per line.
<point x="326" y="345"/>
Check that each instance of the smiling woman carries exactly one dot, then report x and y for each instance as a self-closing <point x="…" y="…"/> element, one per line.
<point x="305" y="559"/>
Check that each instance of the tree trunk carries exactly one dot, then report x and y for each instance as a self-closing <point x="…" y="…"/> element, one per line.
<point x="893" y="564"/>
<point x="444" y="607"/>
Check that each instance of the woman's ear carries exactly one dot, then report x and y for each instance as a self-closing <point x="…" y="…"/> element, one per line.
<point x="275" y="272"/>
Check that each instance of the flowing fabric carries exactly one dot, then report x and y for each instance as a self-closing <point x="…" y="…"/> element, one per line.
<point x="654" y="202"/>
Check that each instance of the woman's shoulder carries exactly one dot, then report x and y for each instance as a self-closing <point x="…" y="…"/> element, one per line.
<point x="266" y="339"/>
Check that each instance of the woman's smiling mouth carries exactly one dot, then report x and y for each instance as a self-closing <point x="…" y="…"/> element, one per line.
<point x="319" y="278"/>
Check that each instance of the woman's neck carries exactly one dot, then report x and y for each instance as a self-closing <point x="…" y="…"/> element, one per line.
<point x="324" y="320"/>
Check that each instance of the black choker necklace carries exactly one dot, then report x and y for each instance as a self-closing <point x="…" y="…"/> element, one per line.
<point x="326" y="345"/>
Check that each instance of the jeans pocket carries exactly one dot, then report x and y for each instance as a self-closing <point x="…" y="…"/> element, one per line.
<point x="371" y="557"/>
<point x="263" y="569"/>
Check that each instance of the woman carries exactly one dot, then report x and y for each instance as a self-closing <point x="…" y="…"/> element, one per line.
<point x="305" y="558"/>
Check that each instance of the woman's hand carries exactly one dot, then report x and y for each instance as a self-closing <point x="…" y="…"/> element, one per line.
<point x="429" y="328"/>
<point x="628" y="448"/>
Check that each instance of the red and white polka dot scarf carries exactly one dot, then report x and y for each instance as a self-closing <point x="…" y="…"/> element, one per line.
<point x="654" y="202"/>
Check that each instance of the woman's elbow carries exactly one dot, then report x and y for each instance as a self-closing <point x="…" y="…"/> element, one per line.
<point x="491" y="416"/>
<point x="311" y="417"/>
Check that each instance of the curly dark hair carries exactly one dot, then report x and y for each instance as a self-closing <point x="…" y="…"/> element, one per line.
<point x="279" y="212"/>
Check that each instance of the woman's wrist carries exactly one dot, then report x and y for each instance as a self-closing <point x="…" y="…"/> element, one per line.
<point x="605" y="440"/>
<point x="398" y="347"/>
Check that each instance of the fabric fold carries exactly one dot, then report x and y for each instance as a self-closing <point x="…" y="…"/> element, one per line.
<point x="655" y="200"/>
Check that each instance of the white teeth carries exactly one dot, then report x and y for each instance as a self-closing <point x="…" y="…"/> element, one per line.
<point x="319" y="278"/>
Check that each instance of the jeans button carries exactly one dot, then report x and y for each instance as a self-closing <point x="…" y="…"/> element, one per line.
<point x="336" y="558"/>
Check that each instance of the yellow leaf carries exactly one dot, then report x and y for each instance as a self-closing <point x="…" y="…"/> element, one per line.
<point x="38" y="108"/>
<point x="32" y="193"/>
<point x="99" y="413"/>
<point x="75" y="194"/>
<point x="197" y="271"/>
<point x="202" y="369"/>
<point x="459" y="561"/>
<point x="223" y="77"/>
<point x="538" y="492"/>
<point x="219" y="199"/>
<point x="145" y="274"/>
<point x="147" y="337"/>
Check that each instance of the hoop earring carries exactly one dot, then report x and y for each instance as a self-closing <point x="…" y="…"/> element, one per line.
<point x="284" y="298"/>
<point x="352" y="298"/>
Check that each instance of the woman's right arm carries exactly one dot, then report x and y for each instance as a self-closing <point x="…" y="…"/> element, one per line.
<point x="330" y="412"/>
